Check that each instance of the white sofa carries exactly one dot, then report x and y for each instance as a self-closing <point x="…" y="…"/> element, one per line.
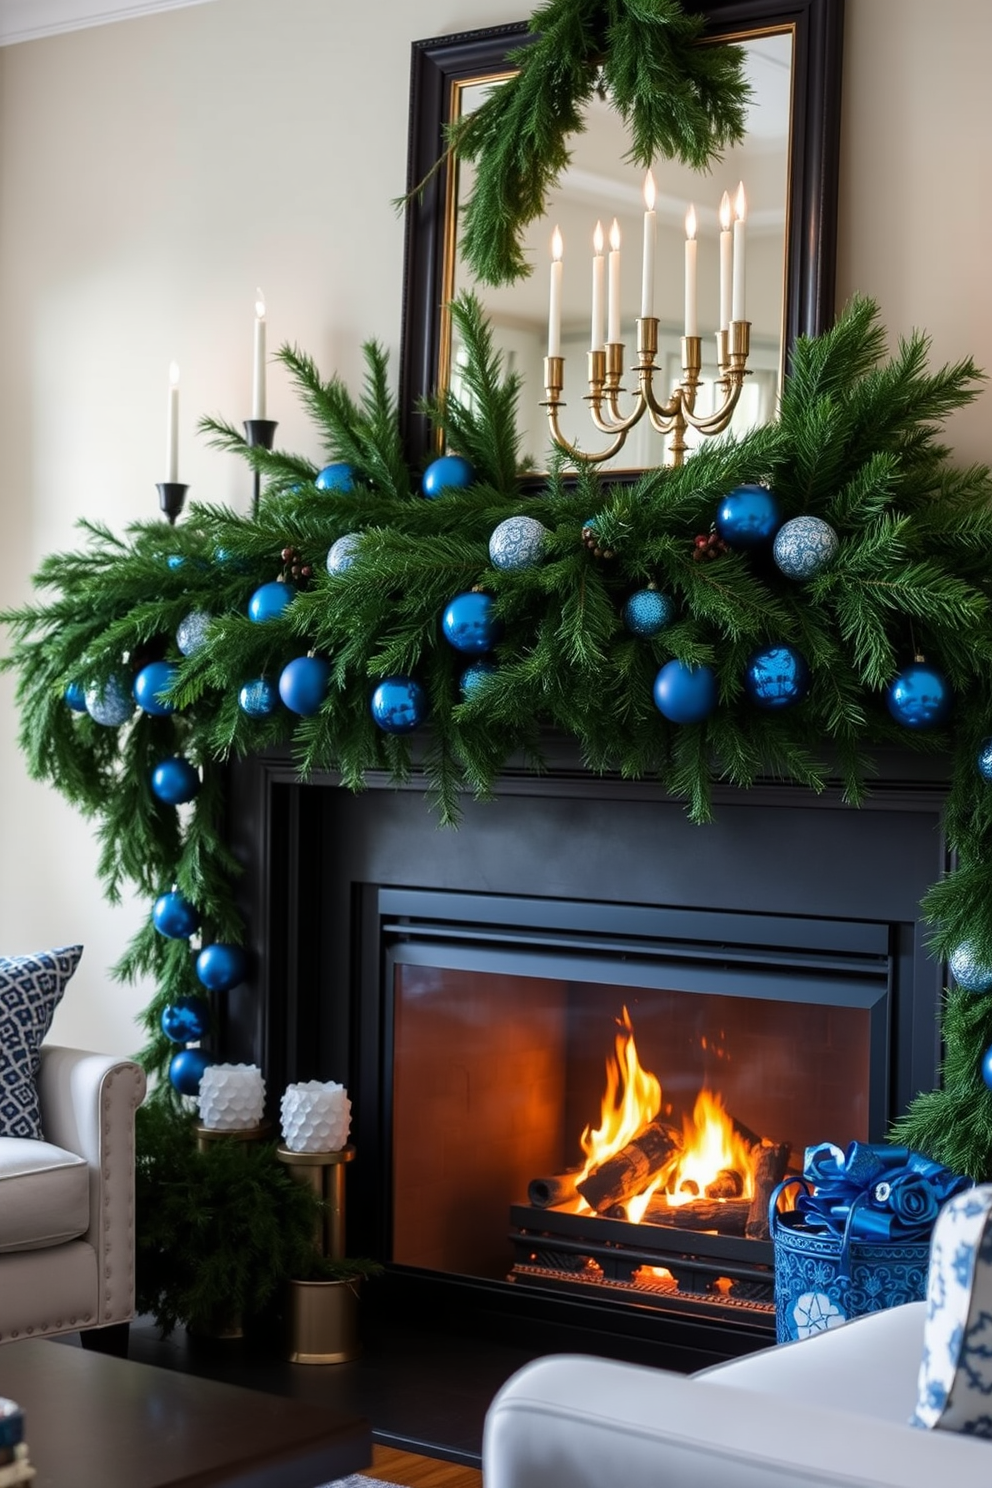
<point x="830" y="1409"/>
<point x="67" y="1203"/>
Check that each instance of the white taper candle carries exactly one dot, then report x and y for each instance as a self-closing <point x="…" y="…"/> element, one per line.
<point x="613" y="288"/>
<point x="598" y="333"/>
<point x="650" y="240"/>
<point x="726" y="259"/>
<point x="691" y="325"/>
<point x="740" y="279"/>
<point x="172" y="426"/>
<point x="258" y="363"/>
<point x="554" y="308"/>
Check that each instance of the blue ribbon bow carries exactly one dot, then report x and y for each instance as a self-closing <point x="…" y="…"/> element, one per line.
<point x="886" y="1194"/>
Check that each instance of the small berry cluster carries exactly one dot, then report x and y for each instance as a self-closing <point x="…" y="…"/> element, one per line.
<point x="593" y="542"/>
<point x="294" y="567"/>
<point x="709" y="545"/>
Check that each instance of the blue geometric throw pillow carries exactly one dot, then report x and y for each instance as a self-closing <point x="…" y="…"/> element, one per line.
<point x="30" y="990"/>
<point x="955" y="1385"/>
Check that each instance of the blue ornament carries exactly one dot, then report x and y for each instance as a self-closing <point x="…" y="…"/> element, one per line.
<point x="966" y="969"/>
<point x="748" y="517"/>
<point x="221" y="966"/>
<point x="473" y="678"/>
<point x="174" y="917"/>
<point x="258" y="698"/>
<point x="186" y="1070"/>
<point x="399" y="705"/>
<point x="449" y="473"/>
<point x="804" y="547"/>
<point x="776" y="677"/>
<point x="342" y="554"/>
<point x="227" y="559"/>
<point x="175" y="560"/>
<point x="303" y="684"/>
<point x="336" y="477"/>
<point x="186" y="1019"/>
<point x="191" y="632"/>
<point x="647" y="612"/>
<point x="985" y="760"/>
<point x="175" y="781"/>
<point x="75" y="696"/>
<point x="987" y="1067"/>
<point x="518" y="543"/>
<point x="268" y="602"/>
<point x="919" y="697"/>
<point x="150" y="686"/>
<point x="110" y="703"/>
<point x="685" y="694"/>
<point x="469" y="623"/>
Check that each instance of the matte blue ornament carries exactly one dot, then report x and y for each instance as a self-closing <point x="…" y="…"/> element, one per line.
<point x="186" y="1019"/>
<point x="804" y="547"/>
<point x="174" y="917"/>
<point x="191" y="632"/>
<point x="919" y="697"/>
<point x="518" y="543"/>
<point x="473" y="678"/>
<point x="221" y="966"/>
<point x="336" y="477"/>
<point x="258" y="698"/>
<point x="776" y="677"/>
<point x="748" y="517"/>
<point x="268" y="602"/>
<point x="647" y="612"/>
<point x="150" y="685"/>
<point x="175" y="781"/>
<point x="448" y="473"/>
<point x="186" y="1070"/>
<point x="303" y="684"/>
<point x="469" y="623"/>
<point x="685" y="694"/>
<point x="342" y="554"/>
<point x="985" y="760"/>
<point x="966" y="969"/>
<point x="399" y="705"/>
<point x="987" y="1067"/>
<point x="110" y="703"/>
<point x="75" y="696"/>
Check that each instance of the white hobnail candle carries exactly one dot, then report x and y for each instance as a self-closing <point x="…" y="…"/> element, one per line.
<point x="316" y="1116"/>
<point x="231" y="1097"/>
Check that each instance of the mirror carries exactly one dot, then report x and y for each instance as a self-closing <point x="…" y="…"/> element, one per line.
<point x="788" y="163"/>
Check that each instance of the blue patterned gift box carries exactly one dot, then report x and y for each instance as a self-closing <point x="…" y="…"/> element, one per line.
<point x="858" y="1239"/>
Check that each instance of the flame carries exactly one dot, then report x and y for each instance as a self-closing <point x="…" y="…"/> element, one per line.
<point x="690" y="222"/>
<point x="650" y="192"/>
<point x="557" y="245"/>
<point x="725" y="211"/>
<point x="615" y="236"/>
<point x="712" y="1146"/>
<point x="597" y="239"/>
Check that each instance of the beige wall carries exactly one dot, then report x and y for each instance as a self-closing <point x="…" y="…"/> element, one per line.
<point x="154" y="171"/>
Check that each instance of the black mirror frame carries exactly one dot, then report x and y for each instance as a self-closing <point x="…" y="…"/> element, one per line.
<point x="812" y="249"/>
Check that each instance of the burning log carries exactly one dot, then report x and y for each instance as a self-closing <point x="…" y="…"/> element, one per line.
<point x="630" y="1170"/>
<point x="544" y="1193"/>
<point x="726" y="1216"/>
<point x="768" y="1164"/>
<point x="728" y="1184"/>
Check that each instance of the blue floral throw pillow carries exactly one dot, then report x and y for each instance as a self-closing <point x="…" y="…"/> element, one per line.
<point x="955" y="1387"/>
<point x="30" y="990"/>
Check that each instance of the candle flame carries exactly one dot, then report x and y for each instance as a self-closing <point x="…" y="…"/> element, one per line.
<point x="725" y="211"/>
<point x="260" y="305"/>
<point x="597" y="238"/>
<point x="615" y="236"/>
<point x="740" y="204"/>
<point x="173" y="374"/>
<point x="690" y="222"/>
<point x="557" y="245"/>
<point x="649" y="191"/>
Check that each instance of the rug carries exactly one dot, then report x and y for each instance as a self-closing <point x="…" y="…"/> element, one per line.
<point x="359" y="1480"/>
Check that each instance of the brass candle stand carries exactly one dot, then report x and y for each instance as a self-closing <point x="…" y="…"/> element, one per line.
<point x="323" y="1315"/>
<point x="671" y="417"/>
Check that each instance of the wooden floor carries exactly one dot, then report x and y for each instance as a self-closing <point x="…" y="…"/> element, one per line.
<point x="421" y="1472"/>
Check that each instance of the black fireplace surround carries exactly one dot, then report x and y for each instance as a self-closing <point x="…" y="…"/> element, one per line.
<point x="600" y="891"/>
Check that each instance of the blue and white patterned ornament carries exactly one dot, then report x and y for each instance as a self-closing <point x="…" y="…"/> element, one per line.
<point x="110" y="703"/>
<point x="186" y="1070"/>
<point x="919" y="697"/>
<point x="967" y="970"/>
<point x="473" y="679"/>
<point x="804" y="547"/>
<point x="647" y="612"/>
<point x="191" y="632"/>
<point x="221" y="966"/>
<point x="336" y="477"/>
<point x="175" y="781"/>
<point x="748" y="517"/>
<point x="150" y="686"/>
<point x="174" y="917"/>
<point x="269" y="601"/>
<point x="258" y="698"/>
<point x="449" y="473"/>
<point x="984" y="760"/>
<point x="342" y="554"/>
<point x="518" y="543"/>
<point x="303" y="684"/>
<point x="75" y="696"/>
<point x="469" y="623"/>
<point x="776" y="677"/>
<point x="399" y="705"/>
<point x="186" y="1019"/>
<point x="685" y="694"/>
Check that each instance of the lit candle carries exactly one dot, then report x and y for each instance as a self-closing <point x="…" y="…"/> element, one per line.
<point x="258" y="367"/>
<point x="740" y="219"/>
<point x="691" y="328"/>
<point x="172" y="426"/>
<point x="650" y="239"/>
<point x="554" y="309"/>
<point x="726" y="259"/>
<point x="613" y="294"/>
<point x="598" y="288"/>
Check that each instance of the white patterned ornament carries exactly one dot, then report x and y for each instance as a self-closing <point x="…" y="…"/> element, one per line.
<point x="518" y="543"/>
<point x="231" y="1097"/>
<point x="342" y="554"/>
<point x="804" y="547"/>
<point x="111" y="704"/>
<point x="191" y="632"/>
<point x="316" y="1116"/>
<point x="967" y="970"/>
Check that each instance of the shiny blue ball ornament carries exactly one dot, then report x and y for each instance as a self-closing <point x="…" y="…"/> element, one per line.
<point x="966" y="969"/>
<point x="258" y="698"/>
<point x="919" y="697"/>
<point x="748" y="517"/>
<point x="186" y="1070"/>
<point x="518" y="543"/>
<point x="342" y="554"/>
<point x="804" y="547"/>
<point x="449" y="473"/>
<point x="399" y="705"/>
<point x="473" y="679"/>
<point x="221" y="966"/>
<point x="987" y="1067"/>
<point x="75" y="696"/>
<point x="268" y="602"/>
<point x="110" y="703"/>
<point x="470" y="625"/>
<point x="685" y="694"/>
<point x="647" y="612"/>
<point x="175" y="560"/>
<point x="303" y="684"/>
<point x="174" y="917"/>
<point x="336" y="477"/>
<point x="175" y="781"/>
<point x="776" y="677"/>
<point x="191" y="632"/>
<point x="984" y="760"/>
<point x="186" y="1019"/>
<point x="150" y="686"/>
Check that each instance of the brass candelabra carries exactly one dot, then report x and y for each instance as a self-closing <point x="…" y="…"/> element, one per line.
<point x="670" y="417"/>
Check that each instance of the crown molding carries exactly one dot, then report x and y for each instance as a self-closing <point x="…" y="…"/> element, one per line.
<point x="27" y="20"/>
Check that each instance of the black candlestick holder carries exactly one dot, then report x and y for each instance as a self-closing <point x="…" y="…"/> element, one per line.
<point x="259" y="433"/>
<point x="171" y="495"/>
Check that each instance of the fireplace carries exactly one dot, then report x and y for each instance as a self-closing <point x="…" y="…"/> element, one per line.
<point x="473" y="987"/>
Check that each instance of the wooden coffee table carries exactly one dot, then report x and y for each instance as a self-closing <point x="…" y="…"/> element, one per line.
<point x="97" y="1422"/>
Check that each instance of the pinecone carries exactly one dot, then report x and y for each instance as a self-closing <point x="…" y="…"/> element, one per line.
<point x="709" y="545"/>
